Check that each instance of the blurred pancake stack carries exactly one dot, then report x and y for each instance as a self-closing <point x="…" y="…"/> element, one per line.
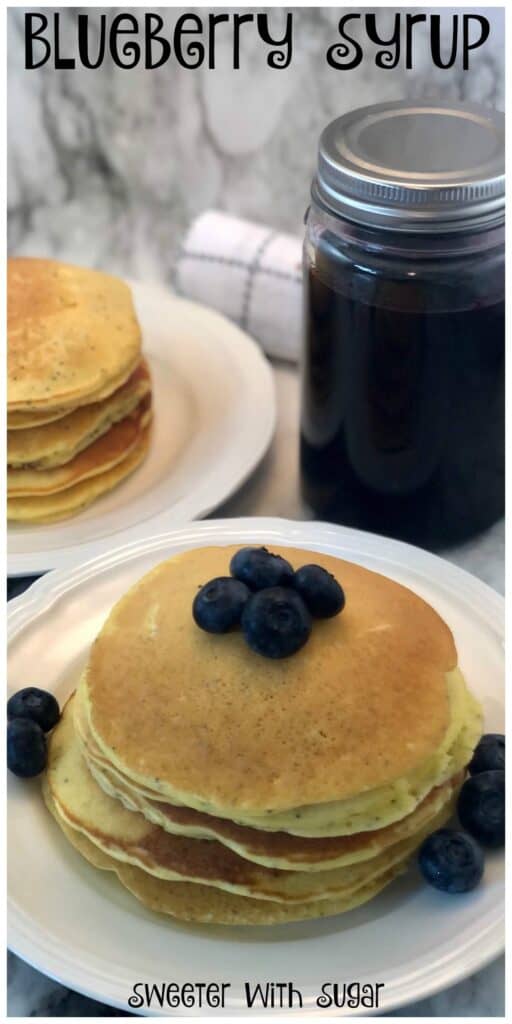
<point x="227" y="788"/>
<point x="78" y="388"/>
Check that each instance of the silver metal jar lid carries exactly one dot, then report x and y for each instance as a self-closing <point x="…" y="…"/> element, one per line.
<point x="414" y="166"/>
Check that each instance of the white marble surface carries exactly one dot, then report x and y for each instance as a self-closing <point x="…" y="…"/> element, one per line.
<point x="108" y="168"/>
<point x="273" y="490"/>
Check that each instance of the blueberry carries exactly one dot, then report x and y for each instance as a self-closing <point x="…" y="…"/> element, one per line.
<point x="219" y="604"/>
<point x="259" y="569"/>
<point x="319" y="590"/>
<point x="37" y="705"/>
<point x="489" y="754"/>
<point x="481" y="807"/>
<point x="26" y="748"/>
<point x="451" y="861"/>
<point x="276" y="622"/>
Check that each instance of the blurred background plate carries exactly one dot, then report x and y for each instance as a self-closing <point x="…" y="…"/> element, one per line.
<point x="79" y="926"/>
<point x="214" y="418"/>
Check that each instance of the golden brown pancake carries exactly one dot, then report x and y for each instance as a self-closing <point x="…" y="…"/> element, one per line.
<point x="225" y="731"/>
<point x="73" y="336"/>
<point x="112" y="447"/>
<point x="281" y="849"/>
<point x="39" y="417"/>
<point x="371" y="810"/>
<point x="51" y="508"/>
<point x="204" y="904"/>
<point x="28" y="420"/>
<point x="128" y="836"/>
<point x="56" y="443"/>
<point x="228" y="788"/>
<point x="273" y="849"/>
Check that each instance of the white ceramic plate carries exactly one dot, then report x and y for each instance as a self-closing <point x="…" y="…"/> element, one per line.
<point x="214" y="418"/>
<point x="79" y="926"/>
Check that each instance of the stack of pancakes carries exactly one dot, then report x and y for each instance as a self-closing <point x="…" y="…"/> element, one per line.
<point x="223" y="787"/>
<point x="79" y="392"/>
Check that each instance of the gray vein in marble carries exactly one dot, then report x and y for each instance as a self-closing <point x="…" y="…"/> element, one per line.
<point x="108" y="167"/>
<point x="32" y="994"/>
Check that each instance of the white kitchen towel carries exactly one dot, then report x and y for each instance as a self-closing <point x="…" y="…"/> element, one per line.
<point x="250" y="273"/>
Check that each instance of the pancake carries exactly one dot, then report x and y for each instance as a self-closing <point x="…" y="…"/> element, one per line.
<point x="39" y="417"/>
<point x="109" y="449"/>
<point x="371" y="811"/>
<point x="280" y="849"/>
<point x="56" y="443"/>
<point x="73" y="336"/>
<point x="129" y="837"/>
<point x="51" y="508"/>
<point x="364" y="705"/>
<point x="272" y="849"/>
<point x="28" y="420"/>
<point x="203" y="904"/>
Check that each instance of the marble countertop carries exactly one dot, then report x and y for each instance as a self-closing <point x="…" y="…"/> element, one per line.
<point x="273" y="490"/>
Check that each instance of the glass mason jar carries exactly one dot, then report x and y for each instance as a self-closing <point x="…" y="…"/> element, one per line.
<point x="402" y="423"/>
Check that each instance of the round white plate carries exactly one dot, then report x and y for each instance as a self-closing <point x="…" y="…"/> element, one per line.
<point x="214" y="418"/>
<point x="78" y="925"/>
